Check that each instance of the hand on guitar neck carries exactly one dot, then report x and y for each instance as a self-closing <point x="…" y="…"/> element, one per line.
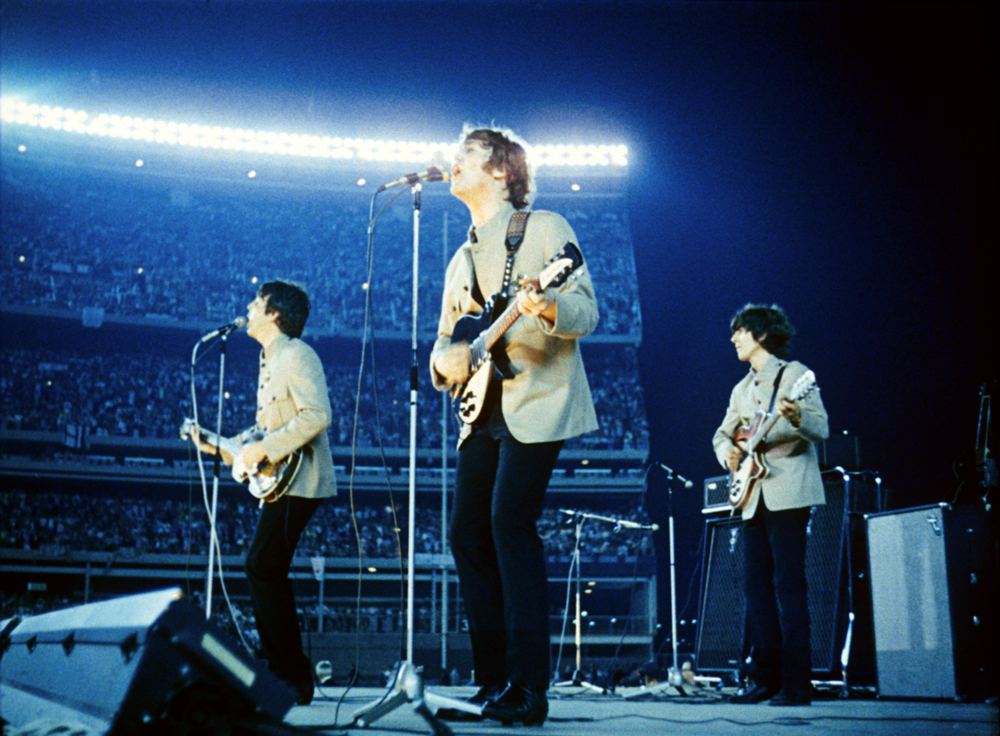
<point x="535" y="302"/>
<point x="792" y="411"/>
<point x="251" y="455"/>
<point x="197" y="437"/>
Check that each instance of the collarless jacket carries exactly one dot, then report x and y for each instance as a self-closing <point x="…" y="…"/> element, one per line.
<point x="793" y="479"/>
<point x="548" y="398"/>
<point x="293" y="411"/>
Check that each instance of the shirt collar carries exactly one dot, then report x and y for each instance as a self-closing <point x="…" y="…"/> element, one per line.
<point x="277" y="345"/>
<point x="494" y="226"/>
<point x="770" y="368"/>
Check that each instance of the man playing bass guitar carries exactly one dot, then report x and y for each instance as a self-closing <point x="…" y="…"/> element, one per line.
<point x="777" y="507"/>
<point x="511" y="435"/>
<point x="293" y="413"/>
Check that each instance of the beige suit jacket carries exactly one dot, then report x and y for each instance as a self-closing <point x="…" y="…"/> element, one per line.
<point x="293" y="410"/>
<point x="793" y="479"/>
<point x="548" y="398"/>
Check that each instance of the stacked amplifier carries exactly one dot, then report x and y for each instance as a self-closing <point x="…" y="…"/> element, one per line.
<point x="836" y="563"/>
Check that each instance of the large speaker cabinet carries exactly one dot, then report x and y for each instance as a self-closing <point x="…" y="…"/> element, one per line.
<point x="834" y="573"/>
<point x="932" y="603"/>
<point x="148" y="664"/>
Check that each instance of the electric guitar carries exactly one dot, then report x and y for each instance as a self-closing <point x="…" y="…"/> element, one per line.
<point x="743" y="482"/>
<point x="267" y="481"/>
<point x="483" y="330"/>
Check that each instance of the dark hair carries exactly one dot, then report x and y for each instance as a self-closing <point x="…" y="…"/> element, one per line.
<point x="290" y="301"/>
<point x="508" y="153"/>
<point x="768" y="325"/>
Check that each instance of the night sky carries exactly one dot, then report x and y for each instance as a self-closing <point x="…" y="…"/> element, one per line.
<point x="836" y="158"/>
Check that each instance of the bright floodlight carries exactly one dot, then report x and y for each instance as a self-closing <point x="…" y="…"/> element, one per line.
<point x="16" y="112"/>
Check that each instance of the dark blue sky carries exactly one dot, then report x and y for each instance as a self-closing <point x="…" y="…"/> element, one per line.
<point x="839" y="159"/>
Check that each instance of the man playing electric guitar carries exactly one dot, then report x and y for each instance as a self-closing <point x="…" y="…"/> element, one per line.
<point x="506" y="456"/>
<point x="776" y="513"/>
<point x="293" y="413"/>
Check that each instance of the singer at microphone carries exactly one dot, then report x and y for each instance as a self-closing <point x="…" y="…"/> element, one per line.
<point x="225" y="329"/>
<point x="432" y="173"/>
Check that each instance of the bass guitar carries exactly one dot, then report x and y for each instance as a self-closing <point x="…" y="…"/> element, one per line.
<point x="483" y="330"/>
<point x="745" y="480"/>
<point x="267" y="481"/>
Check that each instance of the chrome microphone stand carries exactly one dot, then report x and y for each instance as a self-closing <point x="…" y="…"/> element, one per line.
<point x="407" y="685"/>
<point x="580" y="517"/>
<point x="217" y="464"/>
<point x="674" y="675"/>
<point x="675" y="678"/>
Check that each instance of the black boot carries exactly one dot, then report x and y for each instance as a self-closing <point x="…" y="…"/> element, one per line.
<point x="486" y="694"/>
<point x="755" y="694"/>
<point x="525" y="704"/>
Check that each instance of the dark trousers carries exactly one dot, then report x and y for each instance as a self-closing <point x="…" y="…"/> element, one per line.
<point x="268" y="563"/>
<point x="500" y="485"/>
<point x="777" y="599"/>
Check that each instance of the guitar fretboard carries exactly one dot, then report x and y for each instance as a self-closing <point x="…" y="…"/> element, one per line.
<point x="495" y="331"/>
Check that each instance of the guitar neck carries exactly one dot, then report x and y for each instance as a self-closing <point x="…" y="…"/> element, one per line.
<point x="503" y="323"/>
<point x="761" y="433"/>
<point x="226" y="444"/>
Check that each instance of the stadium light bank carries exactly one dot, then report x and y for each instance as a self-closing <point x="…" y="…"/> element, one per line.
<point x="16" y="112"/>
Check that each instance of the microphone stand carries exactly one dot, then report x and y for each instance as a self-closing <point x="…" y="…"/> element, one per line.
<point x="216" y="466"/>
<point x="406" y="684"/>
<point x="674" y="678"/>
<point x="580" y="517"/>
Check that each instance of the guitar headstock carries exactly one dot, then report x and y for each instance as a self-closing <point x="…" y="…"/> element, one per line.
<point x="803" y="386"/>
<point x="560" y="266"/>
<point x="186" y="429"/>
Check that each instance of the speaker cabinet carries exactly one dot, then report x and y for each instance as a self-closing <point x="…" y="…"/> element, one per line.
<point x="931" y="602"/>
<point x="146" y="664"/>
<point x="833" y="567"/>
<point x="719" y="642"/>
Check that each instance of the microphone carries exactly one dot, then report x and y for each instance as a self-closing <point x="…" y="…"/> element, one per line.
<point x="225" y="329"/>
<point x="681" y="478"/>
<point x="432" y="173"/>
<point x="635" y="525"/>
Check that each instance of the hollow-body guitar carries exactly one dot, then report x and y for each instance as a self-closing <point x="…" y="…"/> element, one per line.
<point x="267" y="481"/>
<point x="744" y="482"/>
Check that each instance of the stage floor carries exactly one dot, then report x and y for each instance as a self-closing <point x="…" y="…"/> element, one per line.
<point x="578" y="712"/>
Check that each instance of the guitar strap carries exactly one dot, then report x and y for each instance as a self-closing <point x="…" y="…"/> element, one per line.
<point x="515" y="234"/>
<point x="774" y="394"/>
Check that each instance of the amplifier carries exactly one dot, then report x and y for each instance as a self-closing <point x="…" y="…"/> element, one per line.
<point x="933" y="602"/>
<point x="717" y="495"/>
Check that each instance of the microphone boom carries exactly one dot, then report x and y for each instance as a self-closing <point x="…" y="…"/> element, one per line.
<point x="431" y="173"/>
<point x="225" y="329"/>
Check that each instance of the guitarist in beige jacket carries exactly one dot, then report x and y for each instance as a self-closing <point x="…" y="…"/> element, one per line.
<point x="507" y="454"/>
<point x="293" y="413"/>
<point x="777" y="511"/>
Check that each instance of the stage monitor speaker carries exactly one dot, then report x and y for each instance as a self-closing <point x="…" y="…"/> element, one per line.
<point x="829" y="557"/>
<point x="932" y="602"/>
<point x="145" y="664"/>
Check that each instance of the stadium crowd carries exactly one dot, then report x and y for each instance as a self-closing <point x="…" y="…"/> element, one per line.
<point x="57" y="523"/>
<point x="133" y="246"/>
<point x="149" y="395"/>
